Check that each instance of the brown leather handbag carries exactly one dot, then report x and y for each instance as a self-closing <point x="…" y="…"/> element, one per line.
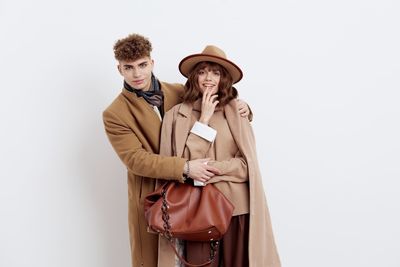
<point x="183" y="211"/>
<point x="196" y="213"/>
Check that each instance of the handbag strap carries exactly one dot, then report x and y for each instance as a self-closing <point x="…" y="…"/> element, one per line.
<point x="167" y="234"/>
<point x="214" y="245"/>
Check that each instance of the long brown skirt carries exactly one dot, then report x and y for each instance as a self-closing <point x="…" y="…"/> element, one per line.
<point x="233" y="247"/>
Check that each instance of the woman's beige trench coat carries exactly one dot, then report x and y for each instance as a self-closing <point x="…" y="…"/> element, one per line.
<point x="175" y="129"/>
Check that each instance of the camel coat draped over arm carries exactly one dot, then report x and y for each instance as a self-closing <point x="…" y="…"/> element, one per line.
<point x="175" y="130"/>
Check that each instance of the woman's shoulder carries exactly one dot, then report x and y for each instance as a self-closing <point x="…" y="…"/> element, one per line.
<point x="232" y="106"/>
<point x="181" y="108"/>
<point x="174" y="109"/>
<point x="172" y="114"/>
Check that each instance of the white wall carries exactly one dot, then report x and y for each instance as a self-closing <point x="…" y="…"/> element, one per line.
<point x="322" y="78"/>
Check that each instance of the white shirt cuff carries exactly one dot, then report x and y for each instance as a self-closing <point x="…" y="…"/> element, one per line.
<point x="204" y="131"/>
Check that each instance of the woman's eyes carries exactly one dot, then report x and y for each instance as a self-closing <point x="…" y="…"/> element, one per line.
<point x="216" y="72"/>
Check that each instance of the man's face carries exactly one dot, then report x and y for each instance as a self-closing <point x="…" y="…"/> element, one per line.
<point x="137" y="73"/>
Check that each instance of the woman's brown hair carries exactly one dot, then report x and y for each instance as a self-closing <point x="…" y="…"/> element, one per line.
<point x="225" y="90"/>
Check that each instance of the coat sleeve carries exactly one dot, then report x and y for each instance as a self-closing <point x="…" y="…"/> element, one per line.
<point x="197" y="146"/>
<point x="232" y="170"/>
<point x="139" y="161"/>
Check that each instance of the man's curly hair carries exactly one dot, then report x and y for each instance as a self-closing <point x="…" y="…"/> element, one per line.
<point x="132" y="47"/>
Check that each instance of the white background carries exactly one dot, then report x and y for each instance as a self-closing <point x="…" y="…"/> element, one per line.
<point x="322" y="78"/>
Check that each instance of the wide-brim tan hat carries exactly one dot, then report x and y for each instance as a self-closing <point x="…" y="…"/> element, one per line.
<point x="213" y="54"/>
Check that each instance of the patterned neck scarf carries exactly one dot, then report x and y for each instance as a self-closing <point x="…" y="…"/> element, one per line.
<point x="154" y="96"/>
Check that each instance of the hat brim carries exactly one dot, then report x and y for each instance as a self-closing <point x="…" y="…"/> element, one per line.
<point x="187" y="64"/>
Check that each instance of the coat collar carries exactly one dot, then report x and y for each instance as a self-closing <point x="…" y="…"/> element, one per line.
<point x="185" y="109"/>
<point x="169" y="100"/>
<point x="140" y="107"/>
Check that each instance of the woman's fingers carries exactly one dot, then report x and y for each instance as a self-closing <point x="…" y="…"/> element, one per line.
<point x="203" y="100"/>
<point x="213" y="97"/>
<point x="214" y="101"/>
<point x="209" y="102"/>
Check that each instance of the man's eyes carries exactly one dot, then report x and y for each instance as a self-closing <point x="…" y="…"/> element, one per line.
<point x="142" y="66"/>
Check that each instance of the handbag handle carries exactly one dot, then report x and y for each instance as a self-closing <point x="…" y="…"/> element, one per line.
<point x="172" y="244"/>
<point x="167" y="234"/>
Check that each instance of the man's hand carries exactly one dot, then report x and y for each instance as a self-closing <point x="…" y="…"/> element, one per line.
<point x="200" y="171"/>
<point x="244" y="109"/>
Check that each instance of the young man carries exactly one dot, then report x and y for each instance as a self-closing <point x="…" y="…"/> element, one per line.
<point x="133" y="123"/>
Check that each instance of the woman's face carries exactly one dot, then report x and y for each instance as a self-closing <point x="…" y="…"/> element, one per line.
<point x="208" y="78"/>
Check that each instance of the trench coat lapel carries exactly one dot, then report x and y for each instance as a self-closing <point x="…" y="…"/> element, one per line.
<point x="146" y="117"/>
<point x="182" y="128"/>
<point x="183" y="125"/>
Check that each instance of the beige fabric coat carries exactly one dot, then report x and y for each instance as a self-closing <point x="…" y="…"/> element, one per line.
<point x="133" y="128"/>
<point x="175" y="129"/>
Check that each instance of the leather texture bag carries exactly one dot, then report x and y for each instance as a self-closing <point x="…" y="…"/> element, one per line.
<point x="195" y="213"/>
<point x="183" y="211"/>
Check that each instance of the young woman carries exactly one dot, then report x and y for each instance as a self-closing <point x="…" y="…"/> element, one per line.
<point x="206" y="125"/>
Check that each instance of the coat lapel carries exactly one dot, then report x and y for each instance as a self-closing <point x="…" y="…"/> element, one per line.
<point x="146" y="118"/>
<point x="182" y="127"/>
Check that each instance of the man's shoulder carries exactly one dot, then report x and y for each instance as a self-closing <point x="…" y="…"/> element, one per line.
<point x="173" y="93"/>
<point x="171" y="86"/>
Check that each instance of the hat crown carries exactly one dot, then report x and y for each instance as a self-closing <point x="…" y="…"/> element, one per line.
<point x="212" y="50"/>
